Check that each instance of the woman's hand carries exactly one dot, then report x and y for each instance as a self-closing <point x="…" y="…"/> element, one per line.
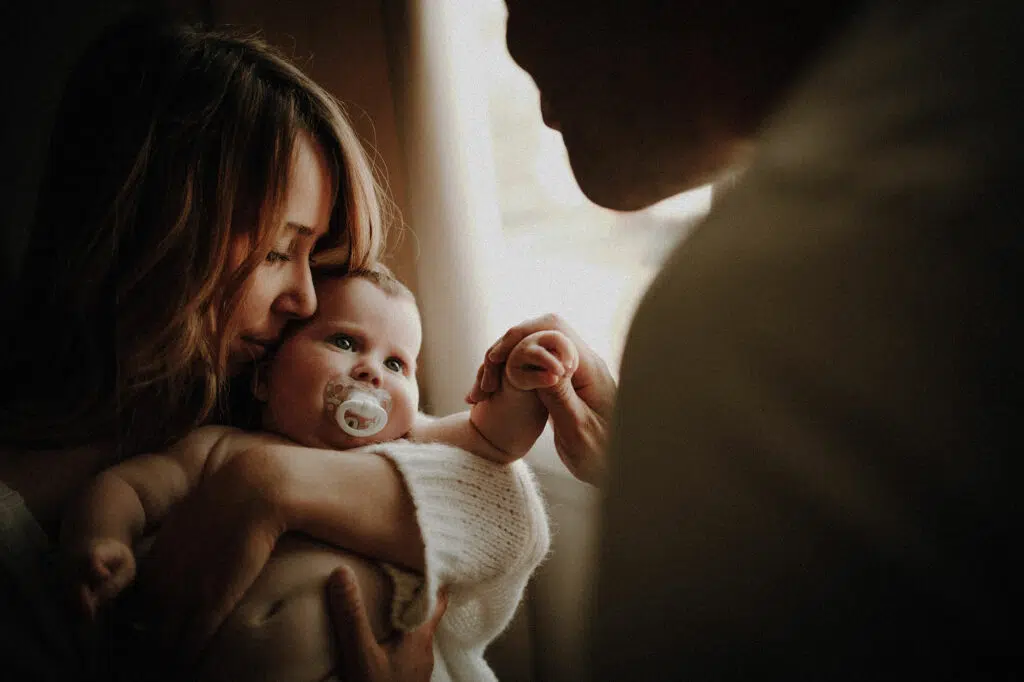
<point x="580" y="409"/>
<point x="209" y="551"/>
<point x="407" y="657"/>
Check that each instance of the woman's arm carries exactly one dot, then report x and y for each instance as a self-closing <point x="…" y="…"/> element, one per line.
<point x="257" y="486"/>
<point x="348" y="499"/>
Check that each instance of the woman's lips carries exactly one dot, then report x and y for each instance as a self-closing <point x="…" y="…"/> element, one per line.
<point x="259" y="347"/>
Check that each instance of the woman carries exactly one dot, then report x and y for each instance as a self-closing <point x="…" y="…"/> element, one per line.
<point x="192" y="179"/>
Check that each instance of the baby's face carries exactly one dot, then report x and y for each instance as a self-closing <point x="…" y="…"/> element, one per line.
<point x="360" y="335"/>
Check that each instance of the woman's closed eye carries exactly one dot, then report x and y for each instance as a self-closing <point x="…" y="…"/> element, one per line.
<point x="342" y="341"/>
<point x="277" y="256"/>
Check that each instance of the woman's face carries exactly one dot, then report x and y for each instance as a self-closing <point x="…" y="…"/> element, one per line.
<point x="281" y="288"/>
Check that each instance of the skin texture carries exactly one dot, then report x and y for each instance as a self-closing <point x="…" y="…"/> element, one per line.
<point x="580" y="408"/>
<point x="361" y="333"/>
<point x="269" y="615"/>
<point x="281" y="288"/>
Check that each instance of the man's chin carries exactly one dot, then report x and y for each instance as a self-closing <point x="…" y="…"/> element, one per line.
<point x="632" y="179"/>
<point x="616" y="192"/>
<point x="611" y="182"/>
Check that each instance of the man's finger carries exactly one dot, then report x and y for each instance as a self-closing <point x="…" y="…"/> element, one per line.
<point x="581" y="433"/>
<point x="566" y="408"/>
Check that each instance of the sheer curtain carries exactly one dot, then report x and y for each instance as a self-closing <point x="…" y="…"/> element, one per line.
<point x="452" y="210"/>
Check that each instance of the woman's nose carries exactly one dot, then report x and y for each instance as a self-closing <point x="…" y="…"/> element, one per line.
<point x="367" y="373"/>
<point x="299" y="298"/>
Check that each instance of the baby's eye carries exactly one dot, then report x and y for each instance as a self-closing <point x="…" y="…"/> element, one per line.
<point x="278" y="257"/>
<point x="343" y="341"/>
<point x="395" y="365"/>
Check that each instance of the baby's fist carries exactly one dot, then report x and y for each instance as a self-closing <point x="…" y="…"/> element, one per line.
<point x="541" y="360"/>
<point x="102" y="568"/>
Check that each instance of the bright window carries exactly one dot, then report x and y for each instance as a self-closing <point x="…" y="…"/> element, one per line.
<point x="561" y="253"/>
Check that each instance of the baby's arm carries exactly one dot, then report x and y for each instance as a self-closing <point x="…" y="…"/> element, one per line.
<point x="505" y="426"/>
<point x="101" y="528"/>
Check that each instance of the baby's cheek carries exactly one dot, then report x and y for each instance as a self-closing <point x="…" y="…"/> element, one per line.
<point x="400" y="420"/>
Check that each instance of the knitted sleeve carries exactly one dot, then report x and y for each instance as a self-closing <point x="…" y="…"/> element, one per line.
<point x="484" y="529"/>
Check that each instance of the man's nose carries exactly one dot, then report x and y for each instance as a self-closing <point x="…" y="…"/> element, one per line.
<point x="367" y="373"/>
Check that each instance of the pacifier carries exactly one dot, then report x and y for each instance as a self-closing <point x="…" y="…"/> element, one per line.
<point x="361" y="415"/>
<point x="360" y="410"/>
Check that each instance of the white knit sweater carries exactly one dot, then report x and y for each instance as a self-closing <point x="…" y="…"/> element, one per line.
<point x="485" y="530"/>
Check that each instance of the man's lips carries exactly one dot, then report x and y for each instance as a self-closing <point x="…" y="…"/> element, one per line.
<point x="545" y="112"/>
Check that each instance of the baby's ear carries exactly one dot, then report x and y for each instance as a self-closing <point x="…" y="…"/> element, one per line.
<point x="260" y="389"/>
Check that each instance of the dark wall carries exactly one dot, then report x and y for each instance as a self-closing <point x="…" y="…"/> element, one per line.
<point x="343" y="45"/>
<point x="40" y="41"/>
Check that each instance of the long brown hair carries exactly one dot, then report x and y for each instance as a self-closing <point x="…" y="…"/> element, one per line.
<point x="170" y="143"/>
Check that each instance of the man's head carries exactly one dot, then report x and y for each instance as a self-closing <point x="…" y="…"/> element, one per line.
<point x="654" y="97"/>
<point x="366" y="332"/>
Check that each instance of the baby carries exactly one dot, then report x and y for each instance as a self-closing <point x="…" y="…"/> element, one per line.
<point x="347" y="379"/>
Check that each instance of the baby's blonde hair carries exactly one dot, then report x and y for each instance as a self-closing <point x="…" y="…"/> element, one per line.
<point x="385" y="280"/>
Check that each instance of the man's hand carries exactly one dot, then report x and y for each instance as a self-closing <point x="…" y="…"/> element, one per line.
<point x="580" y="409"/>
<point x="407" y="657"/>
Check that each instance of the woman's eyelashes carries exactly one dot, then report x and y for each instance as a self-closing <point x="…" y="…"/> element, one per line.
<point x="291" y="253"/>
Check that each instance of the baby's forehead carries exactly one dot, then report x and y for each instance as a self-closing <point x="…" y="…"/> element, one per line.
<point x="364" y="280"/>
<point x="346" y="294"/>
<point x="356" y="299"/>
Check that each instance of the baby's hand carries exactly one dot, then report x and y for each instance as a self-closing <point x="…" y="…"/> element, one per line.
<point x="541" y="360"/>
<point x="100" y="569"/>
